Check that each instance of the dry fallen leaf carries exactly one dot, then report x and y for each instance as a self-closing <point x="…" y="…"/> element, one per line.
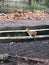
<point x="37" y="15"/>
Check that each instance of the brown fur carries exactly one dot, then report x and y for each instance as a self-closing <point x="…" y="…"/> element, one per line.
<point x="31" y="33"/>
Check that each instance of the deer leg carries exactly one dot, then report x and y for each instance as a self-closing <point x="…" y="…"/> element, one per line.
<point x="29" y="33"/>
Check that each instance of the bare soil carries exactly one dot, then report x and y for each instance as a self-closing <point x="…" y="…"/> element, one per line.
<point x="39" y="15"/>
<point x="36" y="49"/>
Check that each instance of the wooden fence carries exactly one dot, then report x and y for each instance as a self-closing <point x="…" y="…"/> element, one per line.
<point x="20" y="5"/>
<point x="13" y="6"/>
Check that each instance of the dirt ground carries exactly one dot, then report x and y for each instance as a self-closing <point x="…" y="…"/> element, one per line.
<point x="36" y="49"/>
<point x="37" y="15"/>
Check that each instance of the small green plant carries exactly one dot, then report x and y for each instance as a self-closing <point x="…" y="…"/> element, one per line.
<point x="33" y="0"/>
<point x="46" y="2"/>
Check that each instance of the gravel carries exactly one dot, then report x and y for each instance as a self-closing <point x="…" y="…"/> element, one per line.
<point x="36" y="48"/>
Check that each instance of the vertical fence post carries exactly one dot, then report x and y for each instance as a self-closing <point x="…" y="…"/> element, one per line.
<point x="2" y="5"/>
<point x="2" y="2"/>
<point x="7" y="6"/>
<point x="15" y="6"/>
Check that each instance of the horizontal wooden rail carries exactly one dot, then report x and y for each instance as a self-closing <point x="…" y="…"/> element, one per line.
<point x="23" y="30"/>
<point x="25" y="37"/>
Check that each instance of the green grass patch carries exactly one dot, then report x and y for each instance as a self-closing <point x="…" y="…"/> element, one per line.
<point x="36" y="7"/>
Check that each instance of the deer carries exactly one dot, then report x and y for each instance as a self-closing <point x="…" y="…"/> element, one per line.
<point x="31" y="33"/>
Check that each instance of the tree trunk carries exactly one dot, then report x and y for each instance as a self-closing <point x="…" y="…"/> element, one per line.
<point x="30" y="2"/>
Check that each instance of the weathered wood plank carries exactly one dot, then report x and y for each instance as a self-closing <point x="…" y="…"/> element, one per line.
<point x="25" y="37"/>
<point x="23" y="30"/>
